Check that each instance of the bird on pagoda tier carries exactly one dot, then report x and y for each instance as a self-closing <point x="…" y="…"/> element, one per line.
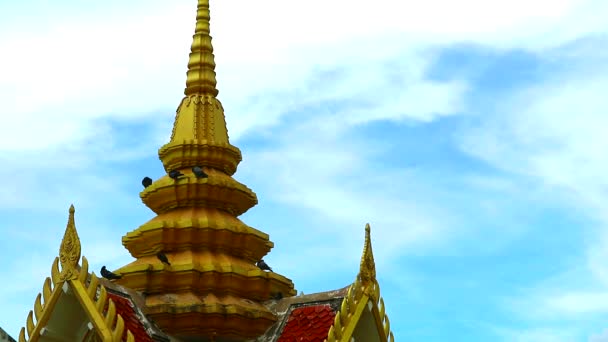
<point x="175" y="174"/>
<point x="109" y="275"/>
<point x="162" y="257"/>
<point x="263" y="265"/>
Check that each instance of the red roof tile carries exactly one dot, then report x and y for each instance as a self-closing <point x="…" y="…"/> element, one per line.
<point x="308" y="323"/>
<point x="125" y="308"/>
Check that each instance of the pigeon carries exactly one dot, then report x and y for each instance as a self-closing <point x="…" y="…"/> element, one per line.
<point x="109" y="275"/>
<point x="263" y="266"/>
<point x="198" y="172"/>
<point x="277" y="296"/>
<point x="146" y="182"/>
<point x="162" y="257"/>
<point x="175" y="174"/>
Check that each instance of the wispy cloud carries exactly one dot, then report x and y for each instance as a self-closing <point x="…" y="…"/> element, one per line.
<point x="550" y="133"/>
<point x="342" y="122"/>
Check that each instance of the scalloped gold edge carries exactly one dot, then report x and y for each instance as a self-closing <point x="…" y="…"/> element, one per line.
<point x="109" y="325"/>
<point x="365" y="289"/>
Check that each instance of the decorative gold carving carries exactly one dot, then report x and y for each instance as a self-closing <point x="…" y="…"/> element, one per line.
<point x="364" y="289"/>
<point x="55" y="273"/>
<point x="211" y="118"/>
<point x="198" y="113"/>
<point x="84" y="271"/>
<point x="367" y="270"/>
<point x="201" y="64"/>
<point x="69" y="251"/>
<point x="92" y="289"/>
<point x="387" y="326"/>
<point x="38" y="307"/>
<point x="47" y="290"/>
<point x="338" y="325"/>
<point x="110" y="325"/>
<point x="175" y="121"/>
<point x="29" y="323"/>
<point x="331" y="335"/>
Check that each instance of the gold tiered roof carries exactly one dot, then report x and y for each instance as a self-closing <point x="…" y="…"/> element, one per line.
<point x="212" y="287"/>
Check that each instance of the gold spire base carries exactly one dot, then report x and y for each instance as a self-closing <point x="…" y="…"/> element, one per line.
<point x="200" y="137"/>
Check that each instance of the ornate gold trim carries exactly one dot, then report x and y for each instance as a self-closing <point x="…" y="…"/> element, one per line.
<point x="364" y="290"/>
<point x="92" y="296"/>
<point x="367" y="269"/>
<point x="201" y="64"/>
<point x="69" y="251"/>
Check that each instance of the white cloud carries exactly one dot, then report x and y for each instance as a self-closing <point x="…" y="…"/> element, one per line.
<point x="552" y="134"/>
<point x="131" y="61"/>
<point x="502" y="24"/>
<point x="66" y="76"/>
<point x="332" y="176"/>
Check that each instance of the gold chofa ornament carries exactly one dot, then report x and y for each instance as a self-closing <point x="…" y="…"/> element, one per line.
<point x="69" y="251"/>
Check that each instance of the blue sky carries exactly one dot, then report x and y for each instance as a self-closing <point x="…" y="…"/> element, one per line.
<point x="471" y="136"/>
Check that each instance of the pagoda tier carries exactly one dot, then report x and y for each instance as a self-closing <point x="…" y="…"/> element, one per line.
<point x="211" y="288"/>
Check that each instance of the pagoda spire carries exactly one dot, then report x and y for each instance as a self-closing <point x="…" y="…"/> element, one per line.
<point x="201" y="65"/>
<point x="210" y="284"/>
<point x="199" y="136"/>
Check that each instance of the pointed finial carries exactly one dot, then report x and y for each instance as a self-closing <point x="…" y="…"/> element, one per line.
<point x="69" y="251"/>
<point x="200" y="136"/>
<point x="201" y="65"/>
<point x="367" y="270"/>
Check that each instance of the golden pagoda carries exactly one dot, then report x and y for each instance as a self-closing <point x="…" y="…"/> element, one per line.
<point x="212" y="285"/>
<point x="195" y="276"/>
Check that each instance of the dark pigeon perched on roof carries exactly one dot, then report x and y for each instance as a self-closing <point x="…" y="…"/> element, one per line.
<point x="109" y="275"/>
<point x="263" y="265"/>
<point x="162" y="257"/>
<point x="198" y="172"/>
<point x="175" y="174"/>
<point x="146" y="182"/>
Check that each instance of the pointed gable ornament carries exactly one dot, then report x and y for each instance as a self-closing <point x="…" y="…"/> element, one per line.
<point x="367" y="269"/>
<point x="69" y="251"/>
<point x="363" y="295"/>
<point x="75" y="279"/>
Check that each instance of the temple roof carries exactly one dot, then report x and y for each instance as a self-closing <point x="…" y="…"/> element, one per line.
<point x="335" y="315"/>
<point x="308" y="323"/>
<point x="304" y="317"/>
<point x="73" y="303"/>
<point x="131" y="306"/>
<point x="207" y="285"/>
<point x="126" y="309"/>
